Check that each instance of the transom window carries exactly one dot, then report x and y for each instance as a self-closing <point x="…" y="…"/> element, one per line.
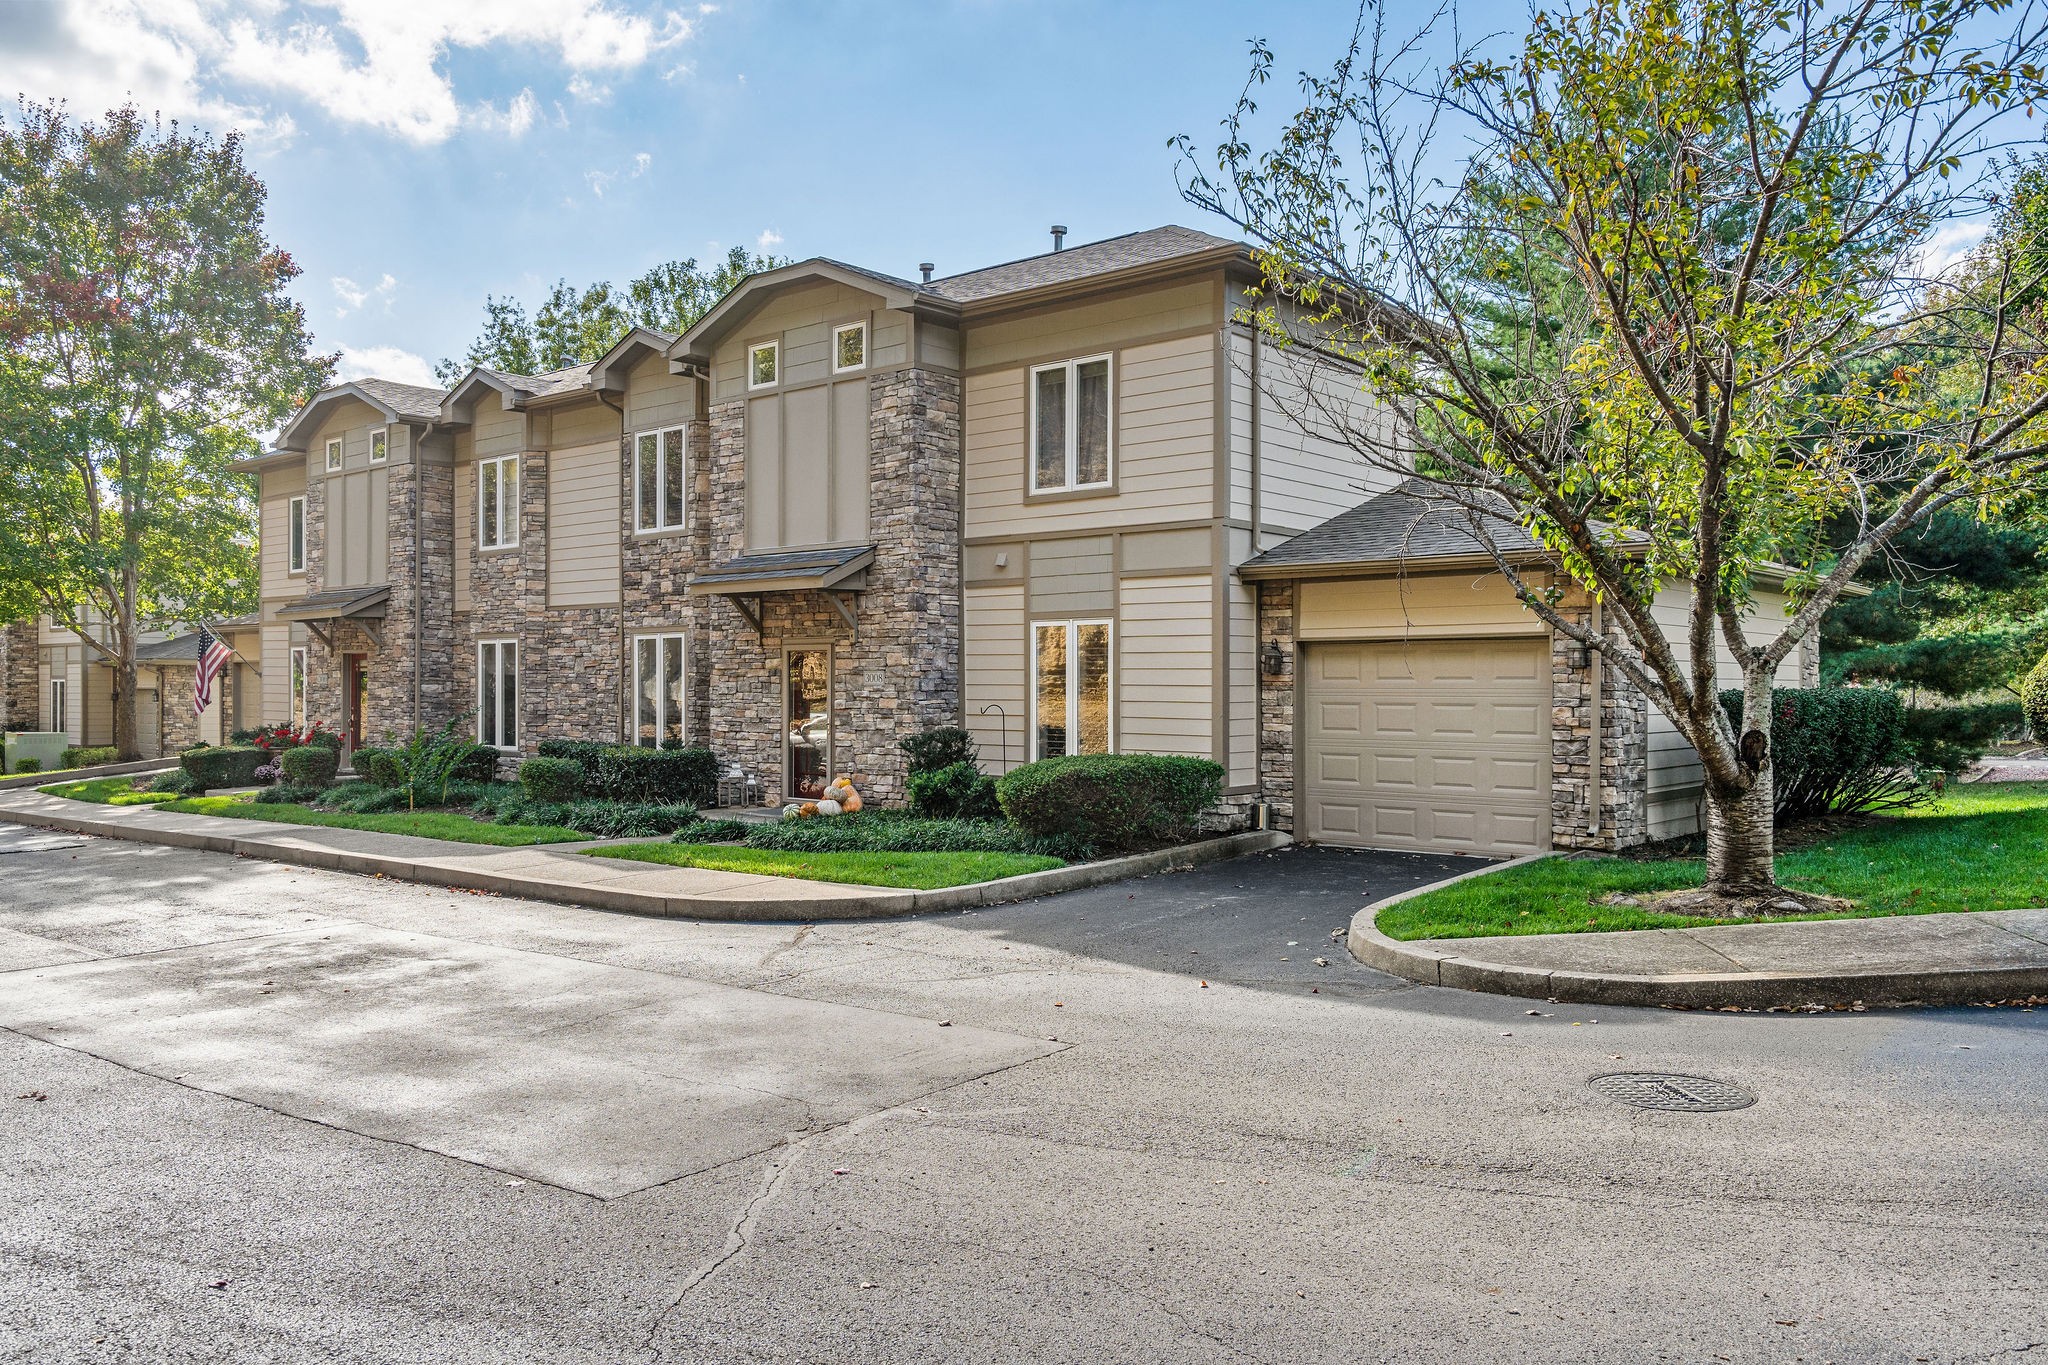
<point x="658" y="691"/>
<point x="764" y="364"/>
<point x="660" y="468"/>
<point x="1070" y="701"/>
<point x="1070" y="424"/>
<point x="298" y="686"/>
<point x="497" y="502"/>
<point x="295" y="535"/>
<point x="333" y="456"/>
<point x="849" y="347"/>
<point x="497" y="694"/>
<point x="380" y="446"/>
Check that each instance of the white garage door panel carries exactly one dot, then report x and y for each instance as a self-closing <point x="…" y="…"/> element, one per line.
<point x="1428" y="744"/>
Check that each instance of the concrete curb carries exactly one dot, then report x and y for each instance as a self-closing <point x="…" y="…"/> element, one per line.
<point x="469" y="874"/>
<point x="141" y="765"/>
<point x="1432" y="966"/>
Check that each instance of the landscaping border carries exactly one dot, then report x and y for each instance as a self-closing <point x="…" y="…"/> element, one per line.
<point x="61" y="775"/>
<point x="1461" y="969"/>
<point x="465" y="866"/>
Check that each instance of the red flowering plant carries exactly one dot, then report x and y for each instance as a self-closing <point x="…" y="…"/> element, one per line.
<point x="278" y="738"/>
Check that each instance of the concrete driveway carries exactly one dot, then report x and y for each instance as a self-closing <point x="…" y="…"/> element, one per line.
<point x="555" y="1135"/>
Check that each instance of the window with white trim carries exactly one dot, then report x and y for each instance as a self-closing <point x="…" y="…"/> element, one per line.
<point x="1072" y="688"/>
<point x="333" y="456"/>
<point x="380" y="445"/>
<point x="661" y="467"/>
<point x="295" y="535"/>
<point x="764" y="364"/>
<point x="1070" y="425"/>
<point x="497" y="693"/>
<point x="849" y="347"/>
<point x="658" y="691"/>
<point x="497" y="502"/>
<point x="298" y="688"/>
<point x="60" y="704"/>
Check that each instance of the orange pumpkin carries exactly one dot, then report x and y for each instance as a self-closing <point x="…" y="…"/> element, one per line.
<point x="808" y="809"/>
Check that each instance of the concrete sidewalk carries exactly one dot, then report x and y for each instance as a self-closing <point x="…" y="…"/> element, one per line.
<point x="557" y="872"/>
<point x="1951" y="958"/>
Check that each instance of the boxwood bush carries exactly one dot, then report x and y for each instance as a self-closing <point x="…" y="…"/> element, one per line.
<point x="379" y="767"/>
<point x="1117" y="802"/>
<point x="310" y="765"/>
<point x="223" y="765"/>
<point x="551" y="779"/>
<point x="933" y="750"/>
<point x="89" y="755"/>
<point x="958" y="791"/>
<point x="1836" y="749"/>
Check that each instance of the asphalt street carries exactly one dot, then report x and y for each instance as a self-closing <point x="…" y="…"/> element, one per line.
<point x="259" y="1113"/>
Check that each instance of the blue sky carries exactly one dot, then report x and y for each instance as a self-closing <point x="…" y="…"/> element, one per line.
<point x="423" y="154"/>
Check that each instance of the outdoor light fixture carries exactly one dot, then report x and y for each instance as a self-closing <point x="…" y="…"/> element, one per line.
<point x="1581" y="657"/>
<point x="1275" y="660"/>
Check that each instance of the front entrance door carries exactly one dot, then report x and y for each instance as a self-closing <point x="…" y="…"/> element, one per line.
<point x="807" y="749"/>
<point x="355" y="681"/>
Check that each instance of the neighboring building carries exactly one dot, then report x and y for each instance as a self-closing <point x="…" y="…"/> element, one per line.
<point x="845" y="507"/>
<point x="52" y="681"/>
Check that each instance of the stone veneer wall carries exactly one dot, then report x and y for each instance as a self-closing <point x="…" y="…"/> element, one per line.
<point x="654" y="574"/>
<point x="508" y="591"/>
<point x="1623" y="780"/>
<point x="20" y="707"/>
<point x="1276" y="704"/>
<point x="388" y="711"/>
<point x="899" y="671"/>
<point x="434" y="504"/>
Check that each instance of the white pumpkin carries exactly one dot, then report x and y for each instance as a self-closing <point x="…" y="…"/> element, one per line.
<point x="828" y="807"/>
<point x="792" y="811"/>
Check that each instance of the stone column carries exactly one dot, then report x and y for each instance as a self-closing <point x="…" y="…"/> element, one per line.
<point x="1621" y="779"/>
<point x="1276" y="703"/>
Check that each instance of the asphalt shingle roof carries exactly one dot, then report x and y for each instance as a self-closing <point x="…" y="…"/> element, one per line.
<point x="1076" y="262"/>
<point x="1402" y="523"/>
<point x="408" y="400"/>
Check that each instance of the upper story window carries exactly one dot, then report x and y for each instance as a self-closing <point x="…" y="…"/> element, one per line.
<point x="295" y="535"/>
<point x="764" y="364"/>
<point x="380" y="448"/>
<point x="849" y="347"/>
<point x="1070" y="423"/>
<point x="333" y="456"/>
<point x="497" y="502"/>
<point x="660" y="468"/>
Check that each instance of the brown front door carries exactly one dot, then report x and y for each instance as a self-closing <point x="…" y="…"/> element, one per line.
<point x="355" y="674"/>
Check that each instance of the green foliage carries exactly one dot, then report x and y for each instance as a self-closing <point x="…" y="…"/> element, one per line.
<point x="958" y="791"/>
<point x="89" y="755"/>
<point x="627" y="772"/>
<point x="1948" y="739"/>
<point x="572" y="326"/>
<point x="551" y="779"/>
<point x="224" y="765"/>
<point x="379" y="766"/>
<point x="310" y="766"/>
<point x="892" y="832"/>
<point x="704" y="831"/>
<point x="147" y="335"/>
<point x="931" y="750"/>
<point x="1836" y="749"/>
<point x="1113" y="801"/>
<point x="600" y="819"/>
<point x="432" y="759"/>
<point x="285" y="793"/>
<point x="29" y="765"/>
<point x="177" y="782"/>
<point x="918" y="871"/>
<point x="2034" y="700"/>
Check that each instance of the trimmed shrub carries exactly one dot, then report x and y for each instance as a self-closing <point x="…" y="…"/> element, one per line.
<point x="959" y="791"/>
<point x="225" y="765"/>
<point x="28" y="765"/>
<point x="479" y="763"/>
<point x="286" y="793"/>
<point x="710" y="832"/>
<point x="584" y="751"/>
<point x="551" y="779"/>
<point x="310" y="765"/>
<point x="1836" y="749"/>
<point x="662" y="776"/>
<point x="380" y="767"/>
<point x="894" y="832"/>
<point x="178" y="781"/>
<point x="1113" y="801"/>
<point x="1950" y="738"/>
<point x="89" y="755"/>
<point x="932" y="750"/>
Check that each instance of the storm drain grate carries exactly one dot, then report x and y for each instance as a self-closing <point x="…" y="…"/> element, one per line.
<point x="1682" y="1094"/>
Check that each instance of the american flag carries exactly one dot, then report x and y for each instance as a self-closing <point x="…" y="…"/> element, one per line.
<point x="213" y="657"/>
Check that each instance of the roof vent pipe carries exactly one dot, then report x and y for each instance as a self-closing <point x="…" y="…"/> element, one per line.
<point x="1059" y="236"/>
<point x="926" y="268"/>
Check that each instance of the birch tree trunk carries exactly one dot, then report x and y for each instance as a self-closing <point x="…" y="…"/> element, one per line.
<point x="1741" y="840"/>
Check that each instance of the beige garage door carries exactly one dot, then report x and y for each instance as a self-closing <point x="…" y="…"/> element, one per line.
<point x="1441" y="744"/>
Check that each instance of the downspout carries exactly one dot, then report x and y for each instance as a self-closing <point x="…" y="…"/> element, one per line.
<point x="623" y="655"/>
<point x="1258" y="429"/>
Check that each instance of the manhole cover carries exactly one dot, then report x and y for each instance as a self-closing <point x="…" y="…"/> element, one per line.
<point x="1685" y="1094"/>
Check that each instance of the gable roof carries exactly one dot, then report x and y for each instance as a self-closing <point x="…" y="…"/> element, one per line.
<point x="1133" y="249"/>
<point x="748" y="295"/>
<point x="625" y="352"/>
<point x="1408" y="522"/>
<point x="397" y="402"/>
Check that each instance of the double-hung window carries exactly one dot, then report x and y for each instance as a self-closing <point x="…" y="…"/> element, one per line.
<point x="661" y="468"/>
<point x="295" y="535"/>
<point x="657" y="690"/>
<point x="1070" y="698"/>
<point x="497" y="694"/>
<point x="380" y="445"/>
<point x="333" y="456"/>
<point x="497" y="502"/>
<point x="298" y="686"/>
<point x="1070" y="425"/>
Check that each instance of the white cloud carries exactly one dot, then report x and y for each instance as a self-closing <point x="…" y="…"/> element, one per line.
<point x="599" y="181"/>
<point x="354" y="296"/>
<point x="641" y="162"/>
<point x="1947" y="247"/>
<point x="376" y="63"/>
<point x="587" y="91"/>
<point x="768" y="240"/>
<point x="384" y="362"/>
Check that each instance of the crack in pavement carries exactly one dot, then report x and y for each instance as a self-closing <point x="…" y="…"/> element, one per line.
<point x="796" y="942"/>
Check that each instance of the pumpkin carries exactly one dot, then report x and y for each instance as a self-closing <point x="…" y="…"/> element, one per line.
<point x="852" y="802"/>
<point x="828" y="807"/>
<point x="808" y="809"/>
<point x="791" y="811"/>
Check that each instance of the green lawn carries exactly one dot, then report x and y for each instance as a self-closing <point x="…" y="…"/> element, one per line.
<point x="915" y="871"/>
<point x="427" y="824"/>
<point x="1978" y="848"/>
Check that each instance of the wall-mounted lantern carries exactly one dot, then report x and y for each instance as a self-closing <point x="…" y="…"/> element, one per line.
<point x="1273" y="661"/>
